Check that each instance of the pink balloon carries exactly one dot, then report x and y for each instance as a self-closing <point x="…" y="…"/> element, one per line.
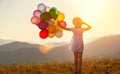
<point x="35" y="20"/>
<point x="37" y="13"/>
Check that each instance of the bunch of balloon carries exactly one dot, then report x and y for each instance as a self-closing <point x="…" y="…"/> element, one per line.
<point x="48" y="20"/>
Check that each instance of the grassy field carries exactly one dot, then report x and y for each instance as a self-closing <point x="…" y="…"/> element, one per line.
<point x="90" y="66"/>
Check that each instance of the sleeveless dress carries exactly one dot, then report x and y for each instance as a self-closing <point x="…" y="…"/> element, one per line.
<point x="76" y="43"/>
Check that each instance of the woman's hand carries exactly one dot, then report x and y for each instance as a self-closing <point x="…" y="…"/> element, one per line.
<point x="88" y="26"/>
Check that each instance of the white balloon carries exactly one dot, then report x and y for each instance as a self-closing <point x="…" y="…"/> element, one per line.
<point x="59" y="33"/>
<point x="41" y="7"/>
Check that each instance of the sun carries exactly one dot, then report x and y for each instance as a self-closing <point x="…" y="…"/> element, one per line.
<point x="91" y="9"/>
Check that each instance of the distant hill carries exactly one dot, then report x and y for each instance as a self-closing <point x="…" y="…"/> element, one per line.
<point x="108" y="46"/>
<point x="22" y="52"/>
<point x="16" y="45"/>
<point x="3" y="41"/>
<point x="19" y="52"/>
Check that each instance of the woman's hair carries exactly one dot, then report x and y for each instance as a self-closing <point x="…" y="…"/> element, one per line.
<point x="77" y="21"/>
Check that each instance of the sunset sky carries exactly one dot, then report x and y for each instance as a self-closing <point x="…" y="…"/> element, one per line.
<point x="102" y="15"/>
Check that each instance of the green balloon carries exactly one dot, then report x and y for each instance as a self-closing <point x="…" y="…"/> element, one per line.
<point x="45" y="16"/>
<point x="53" y="13"/>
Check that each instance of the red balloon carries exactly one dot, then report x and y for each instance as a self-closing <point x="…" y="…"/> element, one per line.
<point x="63" y="23"/>
<point x="44" y="33"/>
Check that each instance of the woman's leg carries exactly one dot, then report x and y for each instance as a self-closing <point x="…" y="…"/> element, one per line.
<point x="76" y="60"/>
<point x="80" y="61"/>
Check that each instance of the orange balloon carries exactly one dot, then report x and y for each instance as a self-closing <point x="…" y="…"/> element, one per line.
<point x="51" y="35"/>
<point x="52" y="28"/>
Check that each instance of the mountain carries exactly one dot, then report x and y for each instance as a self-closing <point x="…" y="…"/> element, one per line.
<point x="3" y="41"/>
<point x="108" y="46"/>
<point x="16" y="45"/>
<point x="23" y="52"/>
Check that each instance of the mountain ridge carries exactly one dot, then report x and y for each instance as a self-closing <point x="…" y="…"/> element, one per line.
<point x="19" y="52"/>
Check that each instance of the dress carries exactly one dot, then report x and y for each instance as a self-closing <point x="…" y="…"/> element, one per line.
<point x="76" y="43"/>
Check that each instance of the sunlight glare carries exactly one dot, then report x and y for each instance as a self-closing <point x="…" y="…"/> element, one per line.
<point x="45" y="48"/>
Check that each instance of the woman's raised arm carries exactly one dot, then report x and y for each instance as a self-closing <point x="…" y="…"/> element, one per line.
<point x="88" y="26"/>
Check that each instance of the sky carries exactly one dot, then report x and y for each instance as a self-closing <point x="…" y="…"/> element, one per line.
<point x="102" y="15"/>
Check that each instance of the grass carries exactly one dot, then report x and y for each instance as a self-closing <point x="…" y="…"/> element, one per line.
<point x="90" y="66"/>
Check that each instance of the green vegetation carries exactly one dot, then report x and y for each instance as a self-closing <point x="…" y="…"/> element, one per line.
<point x="90" y="66"/>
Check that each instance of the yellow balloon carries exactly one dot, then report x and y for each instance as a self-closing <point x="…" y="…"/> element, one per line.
<point x="51" y="28"/>
<point x="60" y="17"/>
<point x="51" y="35"/>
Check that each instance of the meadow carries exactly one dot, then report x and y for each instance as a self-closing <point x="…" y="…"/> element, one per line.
<point x="90" y="66"/>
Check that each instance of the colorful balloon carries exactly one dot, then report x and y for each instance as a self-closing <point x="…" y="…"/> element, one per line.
<point x="43" y="25"/>
<point x="63" y="23"/>
<point x="37" y="13"/>
<point x="35" y="20"/>
<point x="52" y="28"/>
<point x="51" y="21"/>
<point x="55" y="22"/>
<point x="45" y="16"/>
<point x="47" y="8"/>
<point x="59" y="33"/>
<point x="41" y="7"/>
<point x="60" y="17"/>
<point x="54" y="8"/>
<point x="51" y="35"/>
<point x="53" y="13"/>
<point x="43" y="33"/>
<point x="58" y="27"/>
